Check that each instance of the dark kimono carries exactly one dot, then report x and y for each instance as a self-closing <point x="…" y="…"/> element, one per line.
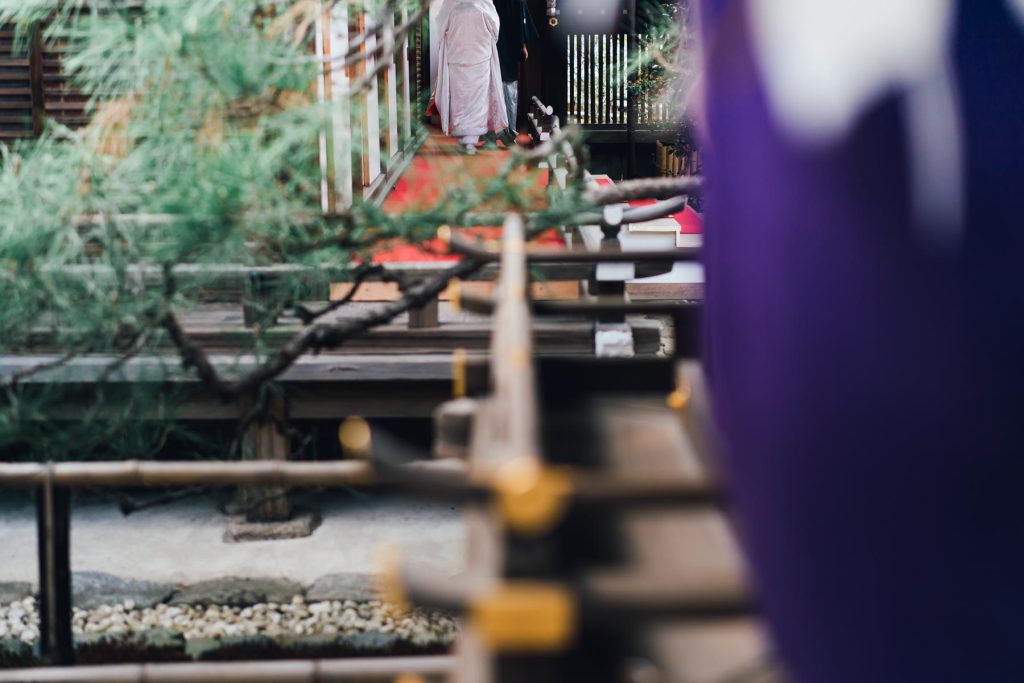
<point x="517" y="29"/>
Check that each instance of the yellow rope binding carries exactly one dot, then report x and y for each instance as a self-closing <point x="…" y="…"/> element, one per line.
<point x="525" y="617"/>
<point x="459" y="380"/>
<point x="531" y="499"/>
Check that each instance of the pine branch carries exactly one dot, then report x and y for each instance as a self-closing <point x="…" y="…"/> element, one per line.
<point x="363" y="274"/>
<point x="311" y="340"/>
<point x="208" y="164"/>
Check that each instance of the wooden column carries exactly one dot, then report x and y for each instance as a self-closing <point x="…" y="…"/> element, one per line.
<point x="427" y="317"/>
<point x="406" y="56"/>
<point x="265" y="439"/>
<point x="394" y="146"/>
<point x="38" y="91"/>
<point x="370" y="123"/>
<point x="53" y="521"/>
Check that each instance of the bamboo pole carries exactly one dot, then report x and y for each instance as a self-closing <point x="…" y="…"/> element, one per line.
<point x="433" y="668"/>
<point x="448" y="478"/>
<point x="144" y="473"/>
<point x="604" y="596"/>
<point x="546" y="255"/>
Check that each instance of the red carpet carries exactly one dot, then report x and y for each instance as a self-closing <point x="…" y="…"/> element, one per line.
<point x="439" y="167"/>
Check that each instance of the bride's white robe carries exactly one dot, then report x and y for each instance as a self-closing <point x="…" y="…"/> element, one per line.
<point x="468" y="92"/>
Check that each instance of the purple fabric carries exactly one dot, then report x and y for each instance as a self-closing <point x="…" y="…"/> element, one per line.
<point x="872" y="393"/>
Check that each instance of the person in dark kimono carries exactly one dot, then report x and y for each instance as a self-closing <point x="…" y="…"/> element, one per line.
<point x="517" y="29"/>
<point x="865" y="327"/>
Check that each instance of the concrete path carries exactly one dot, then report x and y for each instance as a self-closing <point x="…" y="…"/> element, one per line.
<point x="182" y="543"/>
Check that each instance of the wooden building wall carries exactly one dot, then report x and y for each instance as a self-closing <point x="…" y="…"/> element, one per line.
<point x="34" y="87"/>
<point x="581" y="67"/>
<point x="370" y="135"/>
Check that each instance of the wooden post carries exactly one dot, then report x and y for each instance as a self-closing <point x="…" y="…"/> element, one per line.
<point x="53" y="524"/>
<point x="406" y="57"/>
<point x="611" y="287"/>
<point x="322" y="47"/>
<point x="342" y="158"/>
<point x="453" y="428"/>
<point x="370" y="124"/>
<point x="426" y="318"/>
<point x="258" y="301"/>
<point x="265" y="439"/>
<point x="394" y="146"/>
<point x="631" y="114"/>
<point x="36" y="80"/>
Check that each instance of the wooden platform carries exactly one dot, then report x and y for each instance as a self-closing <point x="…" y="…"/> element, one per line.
<point x="676" y="552"/>
<point x="392" y="371"/>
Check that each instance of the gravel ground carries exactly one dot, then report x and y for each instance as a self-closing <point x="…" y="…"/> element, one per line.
<point x="20" y="620"/>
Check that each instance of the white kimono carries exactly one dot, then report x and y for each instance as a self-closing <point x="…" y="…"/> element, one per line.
<point x="468" y="92"/>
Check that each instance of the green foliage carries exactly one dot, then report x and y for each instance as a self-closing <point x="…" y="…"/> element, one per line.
<point x="189" y="126"/>
<point x="203" y="150"/>
<point x="665" y="68"/>
<point x="202" y="161"/>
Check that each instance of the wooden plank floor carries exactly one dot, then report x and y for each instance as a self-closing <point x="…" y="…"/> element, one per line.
<point x="692" y="552"/>
<point x="220" y="328"/>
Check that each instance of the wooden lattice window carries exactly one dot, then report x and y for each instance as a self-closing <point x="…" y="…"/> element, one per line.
<point x="18" y="107"/>
<point x="61" y="101"/>
<point x="597" y="77"/>
<point x="34" y="86"/>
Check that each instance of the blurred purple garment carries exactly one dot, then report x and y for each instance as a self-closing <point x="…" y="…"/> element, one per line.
<point x="871" y="391"/>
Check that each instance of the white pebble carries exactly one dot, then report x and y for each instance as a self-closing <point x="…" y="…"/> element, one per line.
<point x="21" y="620"/>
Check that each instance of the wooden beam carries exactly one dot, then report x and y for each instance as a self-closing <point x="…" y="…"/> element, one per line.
<point x="429" y="669"/>
<point x="425" y="317"/>
<point x="134" y="473"/>
<point x="36" y="70"/>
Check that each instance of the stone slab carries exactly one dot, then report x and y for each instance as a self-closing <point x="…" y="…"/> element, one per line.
<point x="15" y="591"/>
<point x="92" y="589"/>
<point x="350" y="586"/>
<point x="241" y="530"/>
<point x="237" y="592"/>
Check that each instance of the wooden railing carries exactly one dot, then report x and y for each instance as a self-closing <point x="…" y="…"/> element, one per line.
<point x="20" y="87"/>
<point x="528" y="590"/>
<point x="361" y="155"/>
<point x="525" y="595"/>
<point x="372" y="134"/>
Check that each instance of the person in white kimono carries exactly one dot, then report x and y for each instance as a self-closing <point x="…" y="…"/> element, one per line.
<point x="468" y="92"/>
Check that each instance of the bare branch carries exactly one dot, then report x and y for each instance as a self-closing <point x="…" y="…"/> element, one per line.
<point x="364" y="273"/>
<point x="310" y="340"/>
<point x="645" y="188"/>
